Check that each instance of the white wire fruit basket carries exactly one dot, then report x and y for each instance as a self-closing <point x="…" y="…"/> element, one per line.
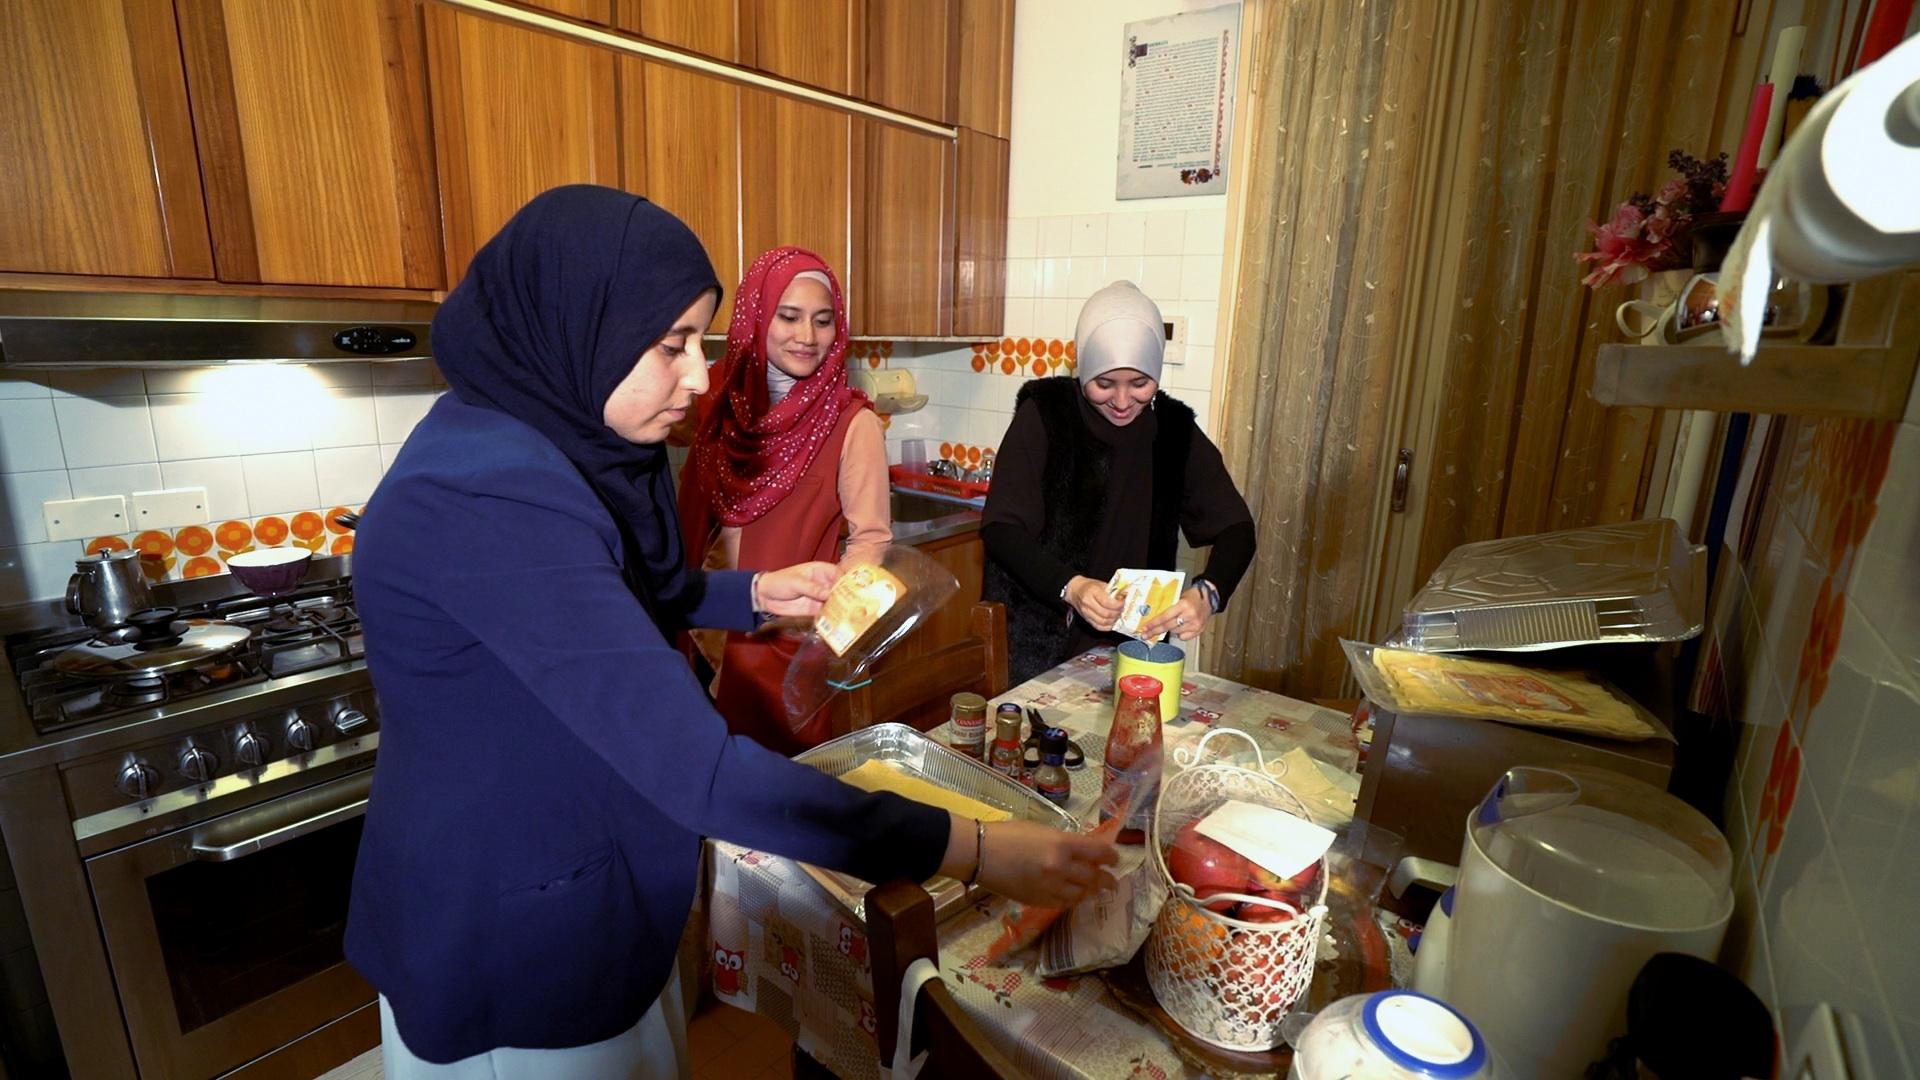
<point x="1229" y="981"/>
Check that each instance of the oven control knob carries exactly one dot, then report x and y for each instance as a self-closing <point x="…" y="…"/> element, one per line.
<point x="347" y="719"/>
<point x="250" y="747"/>
<point x="301" y="735"/>
<point x="198" y="764"/>
<point x="137" y="779"/>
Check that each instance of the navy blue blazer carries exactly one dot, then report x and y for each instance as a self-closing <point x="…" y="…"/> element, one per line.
<point x="548" y="763"/>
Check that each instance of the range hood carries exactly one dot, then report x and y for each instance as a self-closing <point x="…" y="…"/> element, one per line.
<point x="50" y="329"/>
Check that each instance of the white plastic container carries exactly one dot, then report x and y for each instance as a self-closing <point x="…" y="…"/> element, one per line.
<point x="1391" y="1035"/>
<point x="1430" y="956"/>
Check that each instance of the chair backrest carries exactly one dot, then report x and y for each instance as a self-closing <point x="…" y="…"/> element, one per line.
<point x="913" y="685"/>
<point x="900" y="930"/>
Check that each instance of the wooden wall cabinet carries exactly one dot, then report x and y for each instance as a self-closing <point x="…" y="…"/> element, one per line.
<point x="903" y="232"/>
<point x="99" y="173"/>
<point x="708" y="27"/>
<point x="796" y="180"/>
<point x="808" y="41"/>
<point x="599" y="12"/>
<point x="311" y="119"/>
<point x="980" y="250"/>
<point x="984" y="70"/>
<point x="912" y="51"/>
<point x="515" y="113"/>
<point x="680" y="147"/>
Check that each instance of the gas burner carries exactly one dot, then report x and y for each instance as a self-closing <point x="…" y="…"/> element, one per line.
<point x="287" y="619"/>
<point x="134" y="692"/>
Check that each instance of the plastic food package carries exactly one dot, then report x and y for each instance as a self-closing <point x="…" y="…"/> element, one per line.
<point x="1444" y="684"/>
<point x="1107" y="928"/>
<point x="871" y="607"/>
<point x="1144" y="594"/>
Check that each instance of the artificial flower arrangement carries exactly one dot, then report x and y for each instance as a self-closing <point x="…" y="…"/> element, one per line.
<point x="1649" y="234"/>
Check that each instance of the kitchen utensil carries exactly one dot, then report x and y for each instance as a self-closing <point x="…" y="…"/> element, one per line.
<point x="107" y="588"/>
<point x="1638" y="581"/>
<point x="1163" y="661"/>
<point x="907" y="749"/>
<point x="1391" y="1035"/>
<point x="347" y="520"/>
<point x="1075" y="757"/>
<point x="271" y="572"/>
<point x="1570" y="880"/>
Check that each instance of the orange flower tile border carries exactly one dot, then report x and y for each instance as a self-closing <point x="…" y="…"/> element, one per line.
<point x="1029" y="358"/>
<point x="194" y="551"/>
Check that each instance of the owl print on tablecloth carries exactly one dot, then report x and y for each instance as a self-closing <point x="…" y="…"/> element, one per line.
<point x="727" y="965"/>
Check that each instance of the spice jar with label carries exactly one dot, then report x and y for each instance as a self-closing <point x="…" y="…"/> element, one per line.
<point x="1007" y="756"/>
<point x="1051" y="780"/>
<point x="969" y="723"/>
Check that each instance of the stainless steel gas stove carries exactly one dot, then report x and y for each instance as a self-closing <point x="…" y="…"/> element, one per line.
<point x="182" y="815"/>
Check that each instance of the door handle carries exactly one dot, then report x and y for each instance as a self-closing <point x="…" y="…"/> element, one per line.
<point x="1402" y="476"/>
<point x="343" y="801"/>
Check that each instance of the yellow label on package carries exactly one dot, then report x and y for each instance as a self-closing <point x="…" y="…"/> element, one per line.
<point x="859" y="598"/>
<point x="1144" y="594"/>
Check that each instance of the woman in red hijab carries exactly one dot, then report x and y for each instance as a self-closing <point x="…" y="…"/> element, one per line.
<point x="788" y="463"/>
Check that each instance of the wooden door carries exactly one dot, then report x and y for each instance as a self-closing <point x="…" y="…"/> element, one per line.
<point x="795" y="181"/>
<point x="311" y="117"/>
<point x="808" y="41"/>
<point x="708" y="27"/>
<point x="97" y="167"/>
<point x="681" y="149"/>
<point x="911" y="55"/>
<point x="980" y="249"/>
<point x="984" y="70"/>
<point x="902" y="232"/>
<point x="515" y="112"/>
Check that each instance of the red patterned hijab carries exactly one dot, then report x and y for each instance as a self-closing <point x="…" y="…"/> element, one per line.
<point x="747" y="455"/>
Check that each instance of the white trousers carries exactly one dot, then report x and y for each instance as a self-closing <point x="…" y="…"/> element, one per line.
<point x="653" y="1049"/>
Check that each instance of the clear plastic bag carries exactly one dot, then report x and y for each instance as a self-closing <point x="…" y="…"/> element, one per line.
<point x="871" y="608"/>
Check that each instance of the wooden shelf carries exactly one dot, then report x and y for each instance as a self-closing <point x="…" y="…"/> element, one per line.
<point x="1867" y="375"/>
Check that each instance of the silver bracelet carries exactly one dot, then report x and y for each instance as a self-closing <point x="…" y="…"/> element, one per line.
<point x="979" y="852"/>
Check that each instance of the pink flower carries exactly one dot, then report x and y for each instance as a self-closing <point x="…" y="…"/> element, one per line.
<point x="1622" y="249"/>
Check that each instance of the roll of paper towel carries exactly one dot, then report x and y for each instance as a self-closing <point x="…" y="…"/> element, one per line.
<point x="1842" y="201"/>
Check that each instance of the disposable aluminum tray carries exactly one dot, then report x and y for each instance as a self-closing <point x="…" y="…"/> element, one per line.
<point x="909" y="750"/>
<point x="1634" y="582"/>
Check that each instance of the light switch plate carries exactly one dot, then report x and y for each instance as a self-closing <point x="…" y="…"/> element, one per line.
<point x="1176" y="352"/>
<point x="169" y="509"/>
<point x="81" y="519"/>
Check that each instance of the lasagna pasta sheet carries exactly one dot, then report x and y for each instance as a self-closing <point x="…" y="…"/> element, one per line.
<point x="1447" y="684"/>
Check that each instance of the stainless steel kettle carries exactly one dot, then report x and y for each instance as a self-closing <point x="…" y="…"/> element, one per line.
<point x="108" y="588"/>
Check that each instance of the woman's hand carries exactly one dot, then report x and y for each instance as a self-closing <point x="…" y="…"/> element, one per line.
<point x="1184" y="619"/>
<point x="1093" y="602"/>
<point x="1029" y="862"/>
<point x="795" y="590"/>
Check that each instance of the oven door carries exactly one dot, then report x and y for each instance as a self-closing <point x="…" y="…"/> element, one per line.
<point x="226" y="937"/>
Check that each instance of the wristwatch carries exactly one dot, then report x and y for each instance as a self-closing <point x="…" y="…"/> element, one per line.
<point x="1209" y="590"/>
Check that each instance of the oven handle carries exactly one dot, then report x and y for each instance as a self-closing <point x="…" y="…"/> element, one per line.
<point x="344" y="800"/>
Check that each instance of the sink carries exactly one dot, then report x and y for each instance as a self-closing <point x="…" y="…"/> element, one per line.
<point x="909" y="508"/>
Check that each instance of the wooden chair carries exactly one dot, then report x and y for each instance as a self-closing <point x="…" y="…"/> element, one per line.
<point x="912" y="684"/>
<point x="900" y="930"/>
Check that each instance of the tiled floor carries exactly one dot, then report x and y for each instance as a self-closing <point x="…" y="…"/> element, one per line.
<point x="725" y="1043"/>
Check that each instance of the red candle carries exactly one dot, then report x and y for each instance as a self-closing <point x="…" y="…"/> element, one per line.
<point x="1884" y="30"/>
<point x="1741" y="185"/>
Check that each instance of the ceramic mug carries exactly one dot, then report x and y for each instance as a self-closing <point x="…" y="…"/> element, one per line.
<point x="1795" y="310"/>
<point x="1162" y="660"/>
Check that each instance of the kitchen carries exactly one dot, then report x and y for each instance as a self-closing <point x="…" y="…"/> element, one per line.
<point x="1341" y="331"/>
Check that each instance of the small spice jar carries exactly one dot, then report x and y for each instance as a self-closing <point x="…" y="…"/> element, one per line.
<point x="1051" y="780"/>
<point x="968" y="722"/>
<point x="1007" y="756"/>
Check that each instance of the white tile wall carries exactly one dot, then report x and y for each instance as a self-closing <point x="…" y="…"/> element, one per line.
<point x="261" y="440"/>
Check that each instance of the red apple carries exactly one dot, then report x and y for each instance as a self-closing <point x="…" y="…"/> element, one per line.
<point x="1206" y="865"/>
<point x="1266" y="881"/>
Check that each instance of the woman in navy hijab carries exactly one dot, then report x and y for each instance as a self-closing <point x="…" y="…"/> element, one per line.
<point x="548" y="763"/>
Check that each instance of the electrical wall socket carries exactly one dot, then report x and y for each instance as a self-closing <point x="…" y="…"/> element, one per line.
<point x="81" y="519"/>
<point x="1176" y="352"/>
<point x="169" y="509"/>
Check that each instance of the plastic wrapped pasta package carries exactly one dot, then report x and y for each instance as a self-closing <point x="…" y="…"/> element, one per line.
<point x="870" y="608"/>
<point x="1448" y="684"/>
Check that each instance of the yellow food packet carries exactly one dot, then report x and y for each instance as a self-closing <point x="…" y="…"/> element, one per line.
<point x="858" y="600"/>
<point x="1144" y="594"/>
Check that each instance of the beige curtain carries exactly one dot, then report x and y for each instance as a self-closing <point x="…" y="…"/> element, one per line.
<point x="1418" y="176"/>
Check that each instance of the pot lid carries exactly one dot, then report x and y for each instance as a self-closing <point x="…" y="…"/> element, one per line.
<point x="201" y="640"/>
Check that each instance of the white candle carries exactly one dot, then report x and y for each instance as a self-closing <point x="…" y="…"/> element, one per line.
<point x="1786" y="65"/>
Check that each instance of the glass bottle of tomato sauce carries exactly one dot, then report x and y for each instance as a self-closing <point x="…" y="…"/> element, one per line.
<point x="1133" y="757"/>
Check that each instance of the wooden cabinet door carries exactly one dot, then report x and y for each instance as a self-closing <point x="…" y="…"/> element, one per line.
<point x="681" y="149"/>
<point x="311" y="117"/>
<point x="911" y="54"/>
<point x="903" y="232"/>
<point x="97" y="167"/>
<point x="795" y="181"/>
<point x="980" y="258"/>
<point x="515" y="112"/>
<point x="708" y="27"/>
<point x="593" y="11"/>
<point x="985" y="67"/>
<point x="808" y="41"/>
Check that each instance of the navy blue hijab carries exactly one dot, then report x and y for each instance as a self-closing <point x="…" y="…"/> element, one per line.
<point x="553" y="313"/>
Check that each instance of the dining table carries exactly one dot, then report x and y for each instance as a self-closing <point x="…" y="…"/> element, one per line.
<point x="782" y="947"/>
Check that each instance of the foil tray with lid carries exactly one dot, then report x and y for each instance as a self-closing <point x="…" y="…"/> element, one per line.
<point x="1639" y="581"/>
<point x="912" y="752"/>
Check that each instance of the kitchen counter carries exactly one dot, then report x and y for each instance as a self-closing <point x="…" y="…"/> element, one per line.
<point x="918" y="520"/>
